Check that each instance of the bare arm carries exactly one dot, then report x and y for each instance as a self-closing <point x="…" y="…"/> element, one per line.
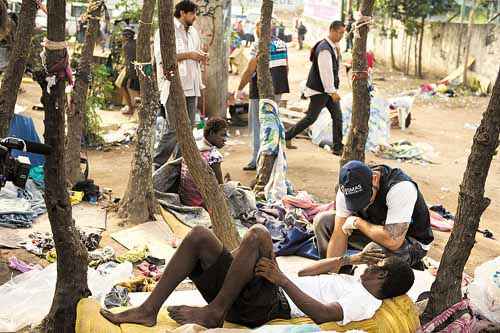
<point x="218" y="172"/>
<point x="184" y="56"/>
<point x="390" y="236"/>
<point x="317" y="311"/>
<point x="338" y="242"/>
<point x="247" y="74"/>
<point x="332" y="265"/>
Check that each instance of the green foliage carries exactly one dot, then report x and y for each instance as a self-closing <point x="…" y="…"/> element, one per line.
<point x="99" y="93"/>
<point x="410" y="12"/>
<point x="131" y="10"/>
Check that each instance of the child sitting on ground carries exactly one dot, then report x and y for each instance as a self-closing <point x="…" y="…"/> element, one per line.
<point x="215" y="133"/>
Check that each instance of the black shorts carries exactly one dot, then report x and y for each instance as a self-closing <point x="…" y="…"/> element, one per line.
<point x="258" y="303"/>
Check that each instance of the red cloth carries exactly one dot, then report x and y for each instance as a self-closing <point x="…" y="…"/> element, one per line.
<point x="304" y="201"/>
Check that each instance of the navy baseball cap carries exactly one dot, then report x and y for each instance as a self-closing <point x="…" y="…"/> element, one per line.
<point x="355" y="181"/>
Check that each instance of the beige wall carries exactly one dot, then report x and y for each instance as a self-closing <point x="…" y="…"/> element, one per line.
<point x="440" y="48"/>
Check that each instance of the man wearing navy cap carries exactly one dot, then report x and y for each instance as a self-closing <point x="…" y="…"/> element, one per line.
<point x="377" y="207"/>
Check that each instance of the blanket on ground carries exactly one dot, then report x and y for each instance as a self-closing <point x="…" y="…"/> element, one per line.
<point x="397" y="315"/>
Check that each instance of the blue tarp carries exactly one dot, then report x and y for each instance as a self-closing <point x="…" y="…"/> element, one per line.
<point x="22" y="127"/>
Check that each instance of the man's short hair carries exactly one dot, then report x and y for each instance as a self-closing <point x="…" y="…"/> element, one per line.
<point x="186" y="6"/>
<point x="336" y="25"/>
<point x="399" y="279"/>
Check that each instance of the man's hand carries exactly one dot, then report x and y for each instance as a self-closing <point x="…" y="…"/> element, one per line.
<point x="199" y="56"/>
<point x="335" y="97"/>
<point x="369" y="256"/>
<point x="269" y="270"/>
<point x="240" y="95"/>
<point x="349" y="225"/>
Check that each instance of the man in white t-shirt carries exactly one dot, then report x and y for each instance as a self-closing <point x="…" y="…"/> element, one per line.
<point x="247" y="287"/>
<point x="376" y="204"/>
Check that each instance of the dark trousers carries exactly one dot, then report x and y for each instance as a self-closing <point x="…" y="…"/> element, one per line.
<point x="411" y="251"/>
<point x="316" y="104"/>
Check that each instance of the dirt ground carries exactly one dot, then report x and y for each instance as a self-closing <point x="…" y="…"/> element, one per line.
<point x="438" y="122"/>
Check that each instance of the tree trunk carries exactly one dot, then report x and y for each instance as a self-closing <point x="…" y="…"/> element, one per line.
<point x="446" y="290"/>
<point x="408" y="56"/>
<point x="203" y="175"/>
<point x="469" y="38"/>
<point x="356" y="140"/>
<point x="415" y="53"/>
<point x="138" y="203"/>
<point x="393" y="60"/>
<point x="17" y="64"/>
<point x="349" y="6"/>
<point x="78" y="103"/>
<point x="420" y="48"/>
<point x="264" y="80"/>
<point x="212" y="29"/>
<point x="71" y="283"/>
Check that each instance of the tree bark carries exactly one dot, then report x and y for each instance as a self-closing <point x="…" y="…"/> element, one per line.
<point x="393" y="60"/>
<point x="264" y="80"/>
<point x="212" y="29"/>
<point x="358" y="134"/>
<point x="203" y="175"/>
<point x="469" y="38"/>
<point x="408" y="56"/>
<point x="415" y="53"/>
<point x="138" y="203"/>
<point x="17" y="64"/>
<point x="446" y="289"/>
<point x="71" y="283"/>
<point x="78" y="102"/>
<point x="421" y="47"/>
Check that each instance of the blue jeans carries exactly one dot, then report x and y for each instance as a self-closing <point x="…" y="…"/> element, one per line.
<point x="254" y="126"/>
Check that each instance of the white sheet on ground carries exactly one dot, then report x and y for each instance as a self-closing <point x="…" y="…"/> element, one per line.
<point x="26" y="299"/>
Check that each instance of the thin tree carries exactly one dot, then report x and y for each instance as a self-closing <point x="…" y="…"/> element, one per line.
<point x="467" y="45"/>
<point x="446" y="289"/>
<point x="76" y="110"/>
<point x="203" y="175"/>
<point x="264" y="80"/>
<point x="211" y="23"/>
<point x="17" y="64"/>
<point x="71" y="283"/>
<point x="138" y="203"/>
<point x="358" y="134"/>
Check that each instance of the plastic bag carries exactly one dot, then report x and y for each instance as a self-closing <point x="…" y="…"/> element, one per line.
<point x="26" y="299"/>
<point x="484" y="291"/>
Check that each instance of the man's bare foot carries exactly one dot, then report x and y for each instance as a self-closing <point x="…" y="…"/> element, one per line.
<point x="204" y="316"/>
<point x="132" y="316"/>
<point x="289" y="145"/>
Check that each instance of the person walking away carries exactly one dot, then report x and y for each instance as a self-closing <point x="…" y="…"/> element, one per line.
<point x="128" y="81"/>
<point x="189" y="58"/>
<point x="278" y="65"/>
<point x="301" y="32"/>
<point x="350" y="33"/>
<point x="249" y="37"/>
<point x="322" y="87"/>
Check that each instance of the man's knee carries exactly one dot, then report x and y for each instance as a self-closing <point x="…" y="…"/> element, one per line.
<point x="198" y="235"/>
<point x="256" y="234"/>
<point x="323" y="222"/>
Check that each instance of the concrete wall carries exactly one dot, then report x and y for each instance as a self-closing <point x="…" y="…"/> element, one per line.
<point x="440" y="48"/>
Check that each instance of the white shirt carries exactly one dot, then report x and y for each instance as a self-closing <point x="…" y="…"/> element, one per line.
<point x="325" y="66"/>
<point x="356" y="302"/>
<point x="400" y="202"/>
<point x="189" y="70"/>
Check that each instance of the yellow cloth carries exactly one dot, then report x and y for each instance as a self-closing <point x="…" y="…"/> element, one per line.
<point x="76" y="197"/>
<point x="134" y="255"/>
<point x="396" y="315"/>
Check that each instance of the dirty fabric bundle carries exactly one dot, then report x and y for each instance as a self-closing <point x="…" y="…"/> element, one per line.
<point x="18" y="207"/>
<point x="272" y="138"/>
<point x="403" y="150"/>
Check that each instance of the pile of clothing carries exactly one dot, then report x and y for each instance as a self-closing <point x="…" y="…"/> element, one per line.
<point x="19" y="207"/>
<point x="404" y="150"/>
